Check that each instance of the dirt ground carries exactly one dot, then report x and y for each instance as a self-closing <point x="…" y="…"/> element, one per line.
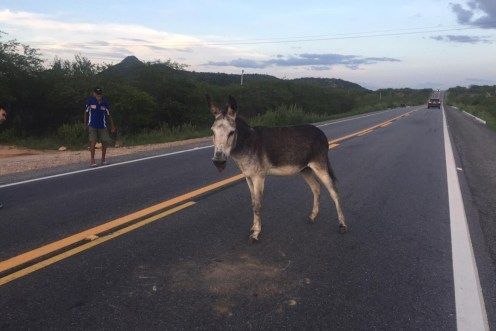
<point x="16" y="159"/>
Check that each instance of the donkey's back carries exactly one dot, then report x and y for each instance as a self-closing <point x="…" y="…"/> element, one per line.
<point x="294" y="146"/>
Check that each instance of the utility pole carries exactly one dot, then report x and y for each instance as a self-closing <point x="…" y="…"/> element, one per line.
<point x="380" y="95"/>
<point x="242" y="72"/>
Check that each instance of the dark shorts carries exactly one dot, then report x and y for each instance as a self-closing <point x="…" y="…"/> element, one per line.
<point x="101" y="135"/>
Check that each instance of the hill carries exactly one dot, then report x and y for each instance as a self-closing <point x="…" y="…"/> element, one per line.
<point x="130" y="65"/>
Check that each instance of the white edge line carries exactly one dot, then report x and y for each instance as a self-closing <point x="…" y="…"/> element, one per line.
<point x="103" y="167"/>
<point x="475" y="117"/>
<point x="469" y="300"/>
<point x="158" y="156"/>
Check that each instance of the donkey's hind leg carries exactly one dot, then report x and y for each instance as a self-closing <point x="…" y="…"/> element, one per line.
<point x="322" y="172"/>
<point x="309" y="177"/>
<point x="258" y="188"/>
<point x="249" y="181"/>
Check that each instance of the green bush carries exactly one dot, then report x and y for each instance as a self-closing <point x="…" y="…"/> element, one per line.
<point x="286" y="115"/>
<point x="166" y="134"/>
<point x="477" y="100"/>
<point x="72" y="135"/>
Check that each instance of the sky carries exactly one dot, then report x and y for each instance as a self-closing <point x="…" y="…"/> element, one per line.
<point x="378" y="44"/>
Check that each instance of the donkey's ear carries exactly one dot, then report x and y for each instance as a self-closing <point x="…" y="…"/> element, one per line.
<point x="213" y="108"/>
<point x="232" y="107"/>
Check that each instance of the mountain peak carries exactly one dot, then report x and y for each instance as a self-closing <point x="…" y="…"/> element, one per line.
<point x="130" y="61"/>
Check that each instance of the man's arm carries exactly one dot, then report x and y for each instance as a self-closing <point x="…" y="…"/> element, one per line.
<point x="85" y="120"/>
<point x="112" y="126"/>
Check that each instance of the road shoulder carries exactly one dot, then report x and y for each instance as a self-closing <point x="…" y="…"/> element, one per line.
<point x="22" y="160"/>
<point x="475" y="154"/>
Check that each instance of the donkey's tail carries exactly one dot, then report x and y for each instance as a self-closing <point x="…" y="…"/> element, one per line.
<point x="331" y="171"/>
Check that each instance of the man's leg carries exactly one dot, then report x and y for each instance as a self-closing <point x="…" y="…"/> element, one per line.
<point x="104" y="151"/>
<point x="93" y="136"/>
<point x="92" y="152"/>
<point x="105" y="139"/>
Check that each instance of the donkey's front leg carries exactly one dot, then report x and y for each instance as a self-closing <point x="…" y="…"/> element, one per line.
<point x="249" y="181"/>
<point x="257" y="196"/>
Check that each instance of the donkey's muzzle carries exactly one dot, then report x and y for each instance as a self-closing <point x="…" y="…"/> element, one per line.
<point x="220" y="164"/>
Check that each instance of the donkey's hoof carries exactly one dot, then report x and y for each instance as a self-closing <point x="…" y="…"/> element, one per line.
<point x="254" y="238"/>
<point x="312" y="220"/>
<point x="343" y="228"/>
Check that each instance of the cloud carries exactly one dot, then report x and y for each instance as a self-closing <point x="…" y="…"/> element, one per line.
<point x="55" y="37"/>
<point x="463" y="16"/>
<point x="462" y="39"/>
<point x="320" y="68"/>
<point x="314" y="61"/>
<point x="164" y="49"/>
<point x="136" y="40"/>
<point x="480" y="13"/>
<point x="240" y="63"/>
<point x="479" y="81"/>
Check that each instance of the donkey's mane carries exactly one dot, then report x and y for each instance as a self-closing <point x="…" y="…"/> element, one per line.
<point x="242" y="124"/>
<point x="245" y="135"/>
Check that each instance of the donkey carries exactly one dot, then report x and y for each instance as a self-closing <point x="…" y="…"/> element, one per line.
<point x="284" y="151"/>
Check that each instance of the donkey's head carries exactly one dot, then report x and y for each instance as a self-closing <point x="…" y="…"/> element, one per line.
<point x="224" y="129"/>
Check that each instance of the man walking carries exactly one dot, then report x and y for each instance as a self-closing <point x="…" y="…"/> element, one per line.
<point x="3" y="118"/>
<point x="95" y="121"/>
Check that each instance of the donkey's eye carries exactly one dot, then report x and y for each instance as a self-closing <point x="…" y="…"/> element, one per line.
<point x="230" y="134"/>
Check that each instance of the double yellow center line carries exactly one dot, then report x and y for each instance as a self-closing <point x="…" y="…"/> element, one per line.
<point x="46" y="255"/>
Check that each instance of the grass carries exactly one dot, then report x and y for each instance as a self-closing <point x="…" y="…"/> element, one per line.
<point x="166" y="134"/>
<point x="481" y="112"/>
<point x="74" y="137"/>
<point x="286" y="115"/>
<point x="42" y="143"/>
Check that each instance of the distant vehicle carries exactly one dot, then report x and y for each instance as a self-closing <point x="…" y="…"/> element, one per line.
<point x="434" y="103"/>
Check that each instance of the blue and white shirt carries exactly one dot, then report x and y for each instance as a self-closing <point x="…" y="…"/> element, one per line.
<point x="98" y="112"/>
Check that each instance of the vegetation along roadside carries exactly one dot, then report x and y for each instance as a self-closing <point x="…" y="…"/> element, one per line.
<point x="161" y="101"/>
<point x="476" y="100"/>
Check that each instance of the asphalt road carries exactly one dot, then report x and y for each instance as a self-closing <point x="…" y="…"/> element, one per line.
<point x="196" y="268"/>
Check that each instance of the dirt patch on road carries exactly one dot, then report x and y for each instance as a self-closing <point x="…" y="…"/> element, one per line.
<point x="245" y="274"/>
<point x="236" y="280"/>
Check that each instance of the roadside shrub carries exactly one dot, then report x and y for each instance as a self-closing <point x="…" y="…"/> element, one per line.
<point x="9" y="135"/>
<point x="477" y="100"/>
<point x="286" y="115"/>
<point x="166" y="133"/>
<point x="72" y="135"/>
